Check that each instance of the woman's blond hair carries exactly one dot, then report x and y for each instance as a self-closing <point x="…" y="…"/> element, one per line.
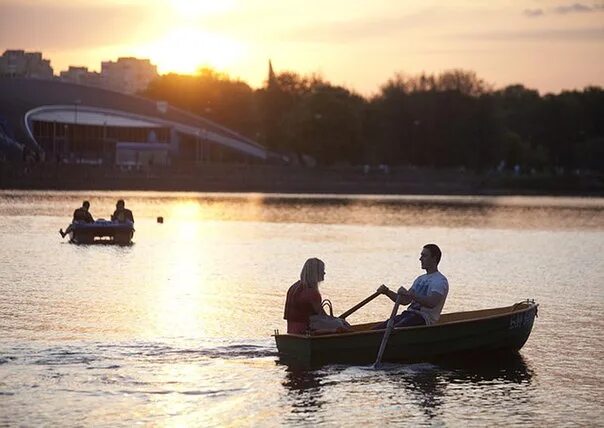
<point x="311" y="272"/>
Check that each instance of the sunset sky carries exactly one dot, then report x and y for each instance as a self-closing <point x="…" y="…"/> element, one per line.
<point x="546" y="45"/>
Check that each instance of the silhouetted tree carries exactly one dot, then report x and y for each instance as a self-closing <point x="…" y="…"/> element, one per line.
<point x="451" y="119"/>
<point x="212" y="95"/>
<point x="436" y="121"/>
<point x="327" y="124"/>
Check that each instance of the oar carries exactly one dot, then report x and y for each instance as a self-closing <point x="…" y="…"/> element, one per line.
<point x="389" y="328"/>
<point x="359" y="305"/>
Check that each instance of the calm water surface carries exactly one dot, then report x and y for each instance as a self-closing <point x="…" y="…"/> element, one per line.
<point x="175" y="329"/>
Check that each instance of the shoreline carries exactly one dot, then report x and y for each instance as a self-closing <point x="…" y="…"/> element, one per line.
<point x="246" y="178"/>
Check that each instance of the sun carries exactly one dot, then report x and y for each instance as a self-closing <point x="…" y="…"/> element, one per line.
<point x="186" y="50"/>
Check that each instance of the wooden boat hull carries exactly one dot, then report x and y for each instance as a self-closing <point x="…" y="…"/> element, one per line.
<point x="102" y="231"/>
<point x="476" y="332"/>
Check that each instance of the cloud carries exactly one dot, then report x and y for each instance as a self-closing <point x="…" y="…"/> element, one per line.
<point x="533" y="13"/>
<point x="565" y="10"/>
<point x="584" y="34"/>
<point x="577" y="7"/>
<point x="29" y="25"/>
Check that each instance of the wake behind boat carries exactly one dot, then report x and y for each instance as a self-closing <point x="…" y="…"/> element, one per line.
<point x="503" y="329"/>
<point x="102" y="231"/>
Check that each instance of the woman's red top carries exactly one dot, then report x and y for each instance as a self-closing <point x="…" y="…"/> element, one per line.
<point x="299" y="307"/>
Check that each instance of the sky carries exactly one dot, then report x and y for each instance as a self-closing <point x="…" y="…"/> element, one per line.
<point x="546" y="45"/>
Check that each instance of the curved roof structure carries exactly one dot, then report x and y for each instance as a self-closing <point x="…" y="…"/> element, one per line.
<point x="23" y="101"/>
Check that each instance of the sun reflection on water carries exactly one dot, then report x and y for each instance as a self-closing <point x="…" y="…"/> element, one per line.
<point x="180" y="298"/>
<point x="194" y="297"/>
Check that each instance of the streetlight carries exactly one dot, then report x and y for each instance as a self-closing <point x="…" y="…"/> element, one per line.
<point x="197" y="150"/>
<point x="200" y="142"/>
<point x="75" y="127"/>
<point x="105" y="150"/>
<point x="54" y="139"/>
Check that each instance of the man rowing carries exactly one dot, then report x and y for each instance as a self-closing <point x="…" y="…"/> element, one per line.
<point x="427" y="295"/>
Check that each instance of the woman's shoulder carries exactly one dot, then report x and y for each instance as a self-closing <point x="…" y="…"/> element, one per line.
<point x="294" y="288"/>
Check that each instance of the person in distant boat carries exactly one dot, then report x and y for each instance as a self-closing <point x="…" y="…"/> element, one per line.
<point x="121" y="213"/>
<point x="80" y="215"/>
<point x="303" y="298"/>
<point x="427" y="295"/>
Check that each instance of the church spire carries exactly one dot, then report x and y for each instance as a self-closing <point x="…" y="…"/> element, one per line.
<point x="272" y="79"/>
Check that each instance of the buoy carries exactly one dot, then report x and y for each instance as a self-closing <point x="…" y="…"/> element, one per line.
<point x="160" y="219"/>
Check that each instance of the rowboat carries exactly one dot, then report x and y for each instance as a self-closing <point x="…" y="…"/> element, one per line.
<point x="504" y="329"/>
<point x="102" y="231"/>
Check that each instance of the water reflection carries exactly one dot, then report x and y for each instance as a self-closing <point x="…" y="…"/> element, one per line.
<point x="506" y="368"/>
<point x="180" y="284"/>
<point x="429" y="387"/>
<point x="305" y="389"/>
<point x="304" y="384"/>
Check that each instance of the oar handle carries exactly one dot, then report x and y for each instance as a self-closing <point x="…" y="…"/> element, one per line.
<point x="359" y="305"/>
<point x="389" y="328"/>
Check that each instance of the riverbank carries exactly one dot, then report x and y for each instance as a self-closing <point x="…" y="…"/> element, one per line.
<point x="287" y="179"/>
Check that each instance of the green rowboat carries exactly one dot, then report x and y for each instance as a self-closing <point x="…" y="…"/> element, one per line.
<point x="503" y="329"/>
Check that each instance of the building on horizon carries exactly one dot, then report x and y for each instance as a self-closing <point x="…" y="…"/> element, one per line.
<point x="127" y="75"/>
<point x="81" y="76"/>
<point x="69" y="123"/>
<point x="18" y="63"/>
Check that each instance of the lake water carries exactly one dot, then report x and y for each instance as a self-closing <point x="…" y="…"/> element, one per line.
<point x="175" y="330"/>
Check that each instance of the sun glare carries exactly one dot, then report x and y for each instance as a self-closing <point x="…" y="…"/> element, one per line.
<point x="195" y="8"/>
<point x="185" y="50"/>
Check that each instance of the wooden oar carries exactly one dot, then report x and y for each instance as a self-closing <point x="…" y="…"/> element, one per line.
<point x="359" y="305"/>
<point x="389" y="328"/>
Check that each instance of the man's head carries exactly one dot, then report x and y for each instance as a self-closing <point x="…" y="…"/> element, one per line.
<point x="120" y="204"/>
<point x="86" y="204"/>
<point x="430" y="257"/>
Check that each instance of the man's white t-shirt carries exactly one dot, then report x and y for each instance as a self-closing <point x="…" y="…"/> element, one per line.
<point x="425" y="285"/>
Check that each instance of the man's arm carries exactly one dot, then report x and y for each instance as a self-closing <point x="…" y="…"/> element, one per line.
<point x="430" y="301"/>
<point x="406" y="299"/>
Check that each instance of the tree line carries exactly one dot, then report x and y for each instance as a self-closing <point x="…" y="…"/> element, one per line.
<point x="452" y="119"/>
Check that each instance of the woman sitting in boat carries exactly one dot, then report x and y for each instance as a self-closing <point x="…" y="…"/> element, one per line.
<point x="303" y="297"/>
<point x="427" y="295"/>
<point x="121" y="213"/>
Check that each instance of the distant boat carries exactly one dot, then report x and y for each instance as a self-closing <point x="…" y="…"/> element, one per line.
<point x="102" y="231"/>
<point x="503" y="329"/>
